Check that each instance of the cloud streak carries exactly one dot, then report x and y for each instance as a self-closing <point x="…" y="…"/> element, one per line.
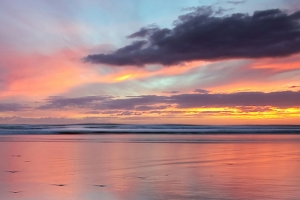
<point x="205" y="34"/>
<point x="236" y="2"/>
<point x="279" y="99"/>
<point x="12" y="107"/>
<point x="57" y="102"/>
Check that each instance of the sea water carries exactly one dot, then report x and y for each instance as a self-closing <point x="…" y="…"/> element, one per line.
<point x="143" y="128"/>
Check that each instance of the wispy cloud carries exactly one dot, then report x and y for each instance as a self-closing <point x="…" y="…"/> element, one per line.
<point x="236" y="2"/>
<point x="52" y="120"/>
<point x="12" y="107"/>
<point x="57" y="102"/>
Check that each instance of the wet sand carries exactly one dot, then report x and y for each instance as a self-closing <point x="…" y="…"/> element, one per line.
<point x="113" y="167"/>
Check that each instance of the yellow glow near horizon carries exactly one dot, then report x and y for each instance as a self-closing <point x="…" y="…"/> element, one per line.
<point x="236" y="112"/>
<point x="231" y="112"/>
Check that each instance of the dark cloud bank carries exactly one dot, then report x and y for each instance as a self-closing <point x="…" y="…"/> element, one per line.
<point x="206" y="34"/>
<point x="281" y="99"/>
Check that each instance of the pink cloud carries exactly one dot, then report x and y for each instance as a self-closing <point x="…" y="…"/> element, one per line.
<point x="42" y="74"/>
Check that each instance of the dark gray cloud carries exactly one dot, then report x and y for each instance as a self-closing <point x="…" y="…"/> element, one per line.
<point x="294" y="86"/>
<point x="12" y="107"/>
<point x="206" y="34"/>
<point x="281" y="99"/>
<point x="201" y="91"/>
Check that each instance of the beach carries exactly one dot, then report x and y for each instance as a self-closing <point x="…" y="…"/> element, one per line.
<point x="147" y="166"/>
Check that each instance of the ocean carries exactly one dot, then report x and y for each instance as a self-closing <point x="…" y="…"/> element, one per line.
<point x="146" y="129"/>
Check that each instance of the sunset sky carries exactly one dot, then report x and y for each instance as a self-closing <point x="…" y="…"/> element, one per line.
<point x="150" y="61"/>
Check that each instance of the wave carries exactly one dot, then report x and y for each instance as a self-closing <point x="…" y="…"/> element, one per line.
<point x="147" y="129"/>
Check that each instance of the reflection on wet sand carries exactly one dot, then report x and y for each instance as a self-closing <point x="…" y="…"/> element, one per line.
<point x="134" y="167"/>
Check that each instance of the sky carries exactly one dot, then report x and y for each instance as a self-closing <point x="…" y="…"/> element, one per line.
<point x="146" y="62"/>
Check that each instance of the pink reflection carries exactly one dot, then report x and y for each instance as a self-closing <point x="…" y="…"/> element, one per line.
<point x="139" y="166"/>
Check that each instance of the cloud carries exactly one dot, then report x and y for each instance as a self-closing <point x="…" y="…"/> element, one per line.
<point x="12" y="107"/>
<point x="205" y="34"/>
<point x="140" y="103"/>
<point x="201" y="91"/>
<point x="128" y="113"/>
<point x="294" y="86"/>
<point x="236" y="2"/>
<point x="279" y="99"/>
<point x="171" y="92"/>
<point x="57" y="102"/>
<point x="254" y="109"/>
<point x="18" y="77"/>
<point x="132" y="102"/>
<point x="147" y="108"/>
<point x="52" y="120"/>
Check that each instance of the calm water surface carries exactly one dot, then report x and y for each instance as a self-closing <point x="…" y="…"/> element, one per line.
<point x="149" y="167"/>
